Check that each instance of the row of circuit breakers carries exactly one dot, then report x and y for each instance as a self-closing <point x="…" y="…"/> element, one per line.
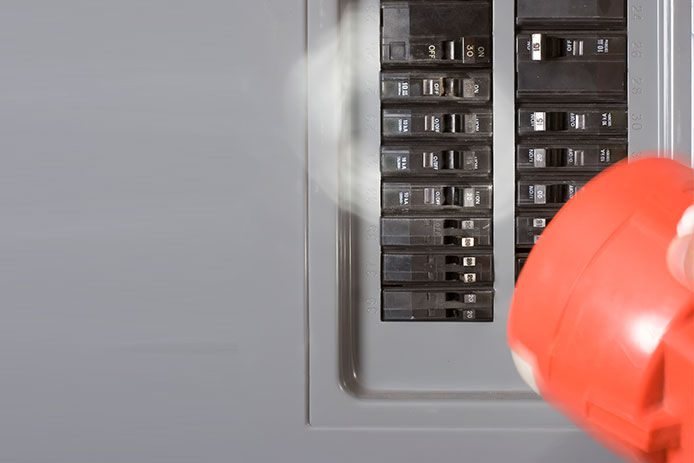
<point x="437" y="155"/>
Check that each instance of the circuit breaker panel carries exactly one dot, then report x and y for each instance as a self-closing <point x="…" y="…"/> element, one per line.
<point x="437" y="155"/>
<point x="436" y="161"/>
<point x="466" y="125"/>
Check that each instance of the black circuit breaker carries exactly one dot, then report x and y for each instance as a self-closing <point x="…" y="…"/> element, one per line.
<point x="442" y="34"/>
<point x="560" y="64"/>
<point x="571" y="79"/>
<point x="436" y="161"/>
<point x="437" y="304"/>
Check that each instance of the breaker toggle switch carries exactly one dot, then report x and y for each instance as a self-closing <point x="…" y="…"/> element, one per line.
<point x="553" y="157"/>
<point x="452" y="123"/>
<point x="460" y="160"/>
<point x="451" y="87"/>
<point x="450" y="160"/>
<point x="544" y="47"/>
<point x="556" y="121"/>
<point x="469" y="50"/>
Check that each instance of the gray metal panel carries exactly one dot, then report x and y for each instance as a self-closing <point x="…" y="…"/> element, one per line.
<point x="369" y="374"/>
<point x="660" y="78"/>
<point x="151" y="269"/>
<point x="154" y="203"/>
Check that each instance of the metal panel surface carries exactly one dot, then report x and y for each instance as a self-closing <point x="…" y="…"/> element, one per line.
<point x="174" y="244"/>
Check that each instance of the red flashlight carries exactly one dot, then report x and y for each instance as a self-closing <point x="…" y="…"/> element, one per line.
<point x="599" y="327"/>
